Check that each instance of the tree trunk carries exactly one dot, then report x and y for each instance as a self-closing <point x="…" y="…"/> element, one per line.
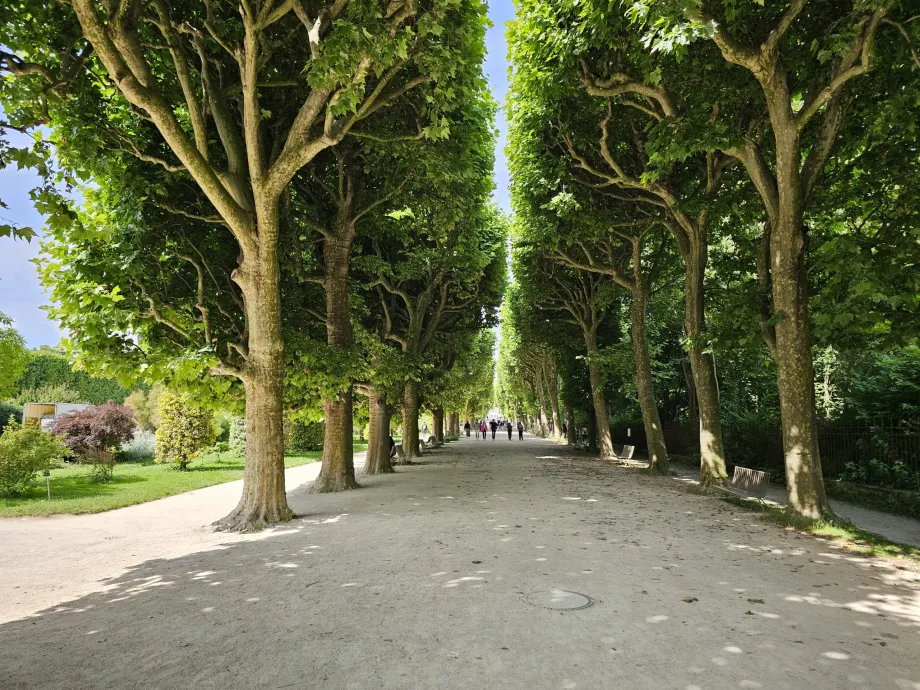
<point x="453" y="428"/>
<point x="439" y="424"/>
<point x="712" y="447"/>
<point x="592" y="432"/>
<point x="657" y="451"/>
<point x="602" y="424"/>
<point x="378" y="443"/>
<point x="410" y="423"/>
<point x="338" y="470"/>
<point x="549" y="373"/>
<point x="570" y="424"/>
<point x="544" y="422"/>
<point x="264" y="501"/>
<point x="794" y="364"/>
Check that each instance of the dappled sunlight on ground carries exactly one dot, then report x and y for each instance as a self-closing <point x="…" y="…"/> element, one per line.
<point x="427" y="579"/>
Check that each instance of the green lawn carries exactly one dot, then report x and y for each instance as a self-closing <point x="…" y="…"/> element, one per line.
<point x="134" y="482"/>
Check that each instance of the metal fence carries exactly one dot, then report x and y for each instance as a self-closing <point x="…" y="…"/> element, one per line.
<point x="882" y="451"/>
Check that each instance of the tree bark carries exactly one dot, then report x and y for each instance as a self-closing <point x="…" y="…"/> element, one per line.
<point x="592" y="432"/>
<point x="264" y="501"/>
<point x="794" y="363"/>
<point x="378" y="443"/>
<point x="338" y="470"/>
<point x="657" y="451"/>
<point x="712" y="446"/>
<point x="410" y="423"/>
<point x="570" y="425"/>
<point x="549" y="373"/>
<point x="453" y="426"/>
<point x="438" y="416"/>
<point x="602" y="424"/>
<point x="541" y="397"/>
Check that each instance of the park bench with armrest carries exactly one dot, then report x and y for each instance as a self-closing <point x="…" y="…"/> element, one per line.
<point x="748" y="483"/>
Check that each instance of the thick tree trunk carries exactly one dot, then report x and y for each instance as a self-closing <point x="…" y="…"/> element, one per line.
<point x="378" y="443"/>
<point x="602" y="424"/>
<point x="264" y="501"/>
<point x="570" y="424"/>
<point x="338" y="470"/>
<point x="453" y="428"/>
<point x="438" y="416"/>
<point x="712" y="447"/>
<point x="657" y="451"/>
<point x="541" y="397"/>
<point x="549" y="373"/>
<point x="592" y="432"/>
<point x="410" y="423"/>
<point x="794" y="364"/>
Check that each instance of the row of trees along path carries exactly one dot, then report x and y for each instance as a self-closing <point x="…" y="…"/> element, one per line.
<point x="644" y="134"/>
<point x="288" y="203"/>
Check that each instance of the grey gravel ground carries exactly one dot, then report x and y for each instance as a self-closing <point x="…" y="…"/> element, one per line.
<point x="422" y="580"/>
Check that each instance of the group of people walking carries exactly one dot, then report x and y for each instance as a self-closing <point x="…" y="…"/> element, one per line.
<point x="482" y="428"/>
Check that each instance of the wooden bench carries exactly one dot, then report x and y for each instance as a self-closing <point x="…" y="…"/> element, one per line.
<point x="748" y="483"/>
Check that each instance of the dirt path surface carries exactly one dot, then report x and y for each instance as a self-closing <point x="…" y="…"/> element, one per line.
<point x="422" y="580"/>
<point x="898" y="528"/>
<point x="50" y="559"/>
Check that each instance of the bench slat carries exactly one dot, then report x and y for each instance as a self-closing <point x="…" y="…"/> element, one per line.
<point x="750" y="481"/>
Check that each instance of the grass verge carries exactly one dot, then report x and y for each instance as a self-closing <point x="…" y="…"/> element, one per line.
<point x="72" y="492"/>
<point x="842" y="533"/>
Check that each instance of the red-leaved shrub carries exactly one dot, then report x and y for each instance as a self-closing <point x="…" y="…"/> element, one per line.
<point x="99" y="428"/>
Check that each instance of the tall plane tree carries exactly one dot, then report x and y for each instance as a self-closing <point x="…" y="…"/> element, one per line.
<point x="801" y="62"/>
<point x="237" y="98"/>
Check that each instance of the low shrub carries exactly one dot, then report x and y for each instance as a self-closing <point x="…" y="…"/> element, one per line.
<point x="144" y="404"/>
<point x="102" y="465"/>
<point x="8" y="410"/>
<point x="305" y="436"/>
<point x="223" y="420"/>
<point x="49" y="394"/>
<point x="236" y="437"/>
<point x="141" y="447"/>
<point x="23" y="453"/>
<point x="184" y="430"/>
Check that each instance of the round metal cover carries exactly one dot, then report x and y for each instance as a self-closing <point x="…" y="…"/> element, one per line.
<point x="559" y="600"/>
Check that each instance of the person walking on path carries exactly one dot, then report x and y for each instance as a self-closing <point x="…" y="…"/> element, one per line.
<point x="425" y="431"/>
<point x="483" y="429"/>
<point x="467" y="427"/>
<point x="520" y="431"/>
<point x="508" y="426"/>
<point x="493" y="425"/>
<point x="565" y="430"/>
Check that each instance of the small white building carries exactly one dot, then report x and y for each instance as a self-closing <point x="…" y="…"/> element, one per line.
<point x="42" y="415"/>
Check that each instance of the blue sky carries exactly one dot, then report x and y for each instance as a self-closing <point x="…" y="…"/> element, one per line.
<point x="21" y="295"/>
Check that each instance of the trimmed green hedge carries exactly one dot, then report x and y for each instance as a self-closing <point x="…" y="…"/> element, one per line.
<point x="52" y="369"/>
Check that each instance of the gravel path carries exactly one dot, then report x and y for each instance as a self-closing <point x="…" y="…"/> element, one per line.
<point x="422" y="580"/>
<point x="898" y="528"/>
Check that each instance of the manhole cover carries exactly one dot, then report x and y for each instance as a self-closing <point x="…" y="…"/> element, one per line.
<point x="559" y="600"/>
